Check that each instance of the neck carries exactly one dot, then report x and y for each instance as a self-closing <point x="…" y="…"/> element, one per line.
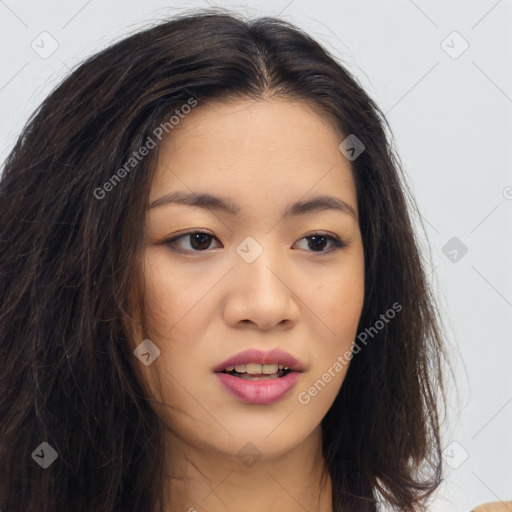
<point x="205" y="480"/>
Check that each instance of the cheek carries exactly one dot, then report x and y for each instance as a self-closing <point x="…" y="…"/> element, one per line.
<point x="173" y="312"/>
<point x="174" y="300"/>
<point x="337" y="299"/>
<point x="344" y="306"/>
<point x="177" y="313"/>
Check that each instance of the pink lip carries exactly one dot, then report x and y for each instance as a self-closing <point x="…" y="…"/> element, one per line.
<point x="276" y="356"/>
<point x="263" y="391"/>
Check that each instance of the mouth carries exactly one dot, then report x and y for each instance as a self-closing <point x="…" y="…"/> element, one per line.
<point x="259" y="363"/>
<point x="257" y="377"/>
<point x="254" y="371"/>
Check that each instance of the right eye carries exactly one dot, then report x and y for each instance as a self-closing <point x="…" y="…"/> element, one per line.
<point x="196" y="241"/>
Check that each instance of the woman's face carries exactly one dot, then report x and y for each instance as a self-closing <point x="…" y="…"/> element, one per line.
<point x="255" y="279"/>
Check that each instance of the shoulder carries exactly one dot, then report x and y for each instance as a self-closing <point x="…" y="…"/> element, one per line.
<point x="495" y="506"/>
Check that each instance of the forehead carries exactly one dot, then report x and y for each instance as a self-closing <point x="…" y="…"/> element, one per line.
<point x="262" y="148"/>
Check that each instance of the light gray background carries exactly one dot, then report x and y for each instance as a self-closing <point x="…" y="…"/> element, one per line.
<point x="451" y="116"/>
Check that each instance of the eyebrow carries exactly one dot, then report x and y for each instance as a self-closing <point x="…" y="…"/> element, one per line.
<point x="226" y="205"/>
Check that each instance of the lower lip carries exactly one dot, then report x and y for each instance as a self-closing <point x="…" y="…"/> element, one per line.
<point x="263" y="391"/>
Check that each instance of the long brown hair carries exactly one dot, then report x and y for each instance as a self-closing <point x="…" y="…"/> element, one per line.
<point x="71" y="281"/>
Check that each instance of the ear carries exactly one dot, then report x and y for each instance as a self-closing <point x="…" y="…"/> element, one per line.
<point x="495" y="506"/>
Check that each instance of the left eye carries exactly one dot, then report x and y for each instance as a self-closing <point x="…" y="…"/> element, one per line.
<point x="319" y="241"/>
<point x="200" y="242"/>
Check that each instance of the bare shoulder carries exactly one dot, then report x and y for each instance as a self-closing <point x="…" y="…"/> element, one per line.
<point x="495" y="506"/>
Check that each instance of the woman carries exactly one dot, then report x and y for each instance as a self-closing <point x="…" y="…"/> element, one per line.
<point x="212" y="294"/>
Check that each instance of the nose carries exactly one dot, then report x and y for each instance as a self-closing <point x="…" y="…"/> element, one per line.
<point x="261" y="294"/>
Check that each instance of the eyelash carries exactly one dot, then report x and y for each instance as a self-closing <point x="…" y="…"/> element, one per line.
<point x="338" y="244"/>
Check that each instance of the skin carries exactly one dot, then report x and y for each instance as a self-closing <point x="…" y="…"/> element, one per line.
<point x="495" y="506"/>
<point x="208" y="305"/>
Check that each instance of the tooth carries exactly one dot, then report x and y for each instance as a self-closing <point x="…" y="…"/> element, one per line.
<point x="268" y="369"/>
<point x="257" y="369"/>
<point x="253" y="368"/>
<point x="246" y="376"/>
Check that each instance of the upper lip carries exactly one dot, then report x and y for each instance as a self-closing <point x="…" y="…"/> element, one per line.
<point x="276" y="356"/>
